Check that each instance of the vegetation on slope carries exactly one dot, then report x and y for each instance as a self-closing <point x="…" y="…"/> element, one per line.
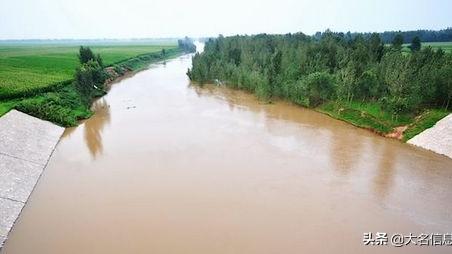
<point x="357" y="80"/>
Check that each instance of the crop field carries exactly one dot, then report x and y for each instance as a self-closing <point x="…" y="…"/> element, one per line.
<point x="446" y="46"/>
<point x="28" y="67"/>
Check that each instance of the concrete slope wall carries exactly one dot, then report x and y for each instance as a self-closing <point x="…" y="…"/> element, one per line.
<point x="438" y="138"/>
<point x="26" y="144"/>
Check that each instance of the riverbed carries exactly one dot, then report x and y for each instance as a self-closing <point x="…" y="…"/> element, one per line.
<point x="168" y="167"/>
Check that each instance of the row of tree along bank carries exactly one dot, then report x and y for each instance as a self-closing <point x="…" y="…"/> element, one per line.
<point x="444" y="35"/>
<point x="359" y="80"/>
<point x="67" y="104"/>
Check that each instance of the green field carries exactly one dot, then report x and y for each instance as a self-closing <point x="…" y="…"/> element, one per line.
<point x="446" y="46"/>
<point x="26" y="68"/>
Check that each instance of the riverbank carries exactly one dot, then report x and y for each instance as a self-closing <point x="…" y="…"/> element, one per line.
<point x="371" y="116"/>
<point x="25" y="148"/>
<point x="64" y="106"/>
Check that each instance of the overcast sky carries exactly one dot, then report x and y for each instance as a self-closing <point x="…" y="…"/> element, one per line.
<point x="84" y="19"/>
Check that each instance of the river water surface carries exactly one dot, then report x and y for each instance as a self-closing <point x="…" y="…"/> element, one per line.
<point x="164" y="167"/>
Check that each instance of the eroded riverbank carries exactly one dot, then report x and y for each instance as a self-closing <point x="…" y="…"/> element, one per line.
<point x="164" y="167"/>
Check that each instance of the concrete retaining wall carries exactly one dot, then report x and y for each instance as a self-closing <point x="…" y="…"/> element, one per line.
<point x="26" y="144"/>
<point x="438" y="138"/>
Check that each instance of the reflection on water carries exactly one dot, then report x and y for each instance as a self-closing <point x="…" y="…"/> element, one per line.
<point x="94" y="128"/>
<point x="189" y="169"/>
<point x="345" y="160"/>
<point x="384" y="177"/>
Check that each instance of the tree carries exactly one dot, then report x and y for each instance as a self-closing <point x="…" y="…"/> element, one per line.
<point x="415" y="44"/>
<point x="397" y="42"/>
<point x="186" y="45"/>
<point x="90" y="75"/>
<point x="85" y="55"/>
<point x="376" y="47"/>
<point x="445" y="86"/>
<point x="317" y="88"/>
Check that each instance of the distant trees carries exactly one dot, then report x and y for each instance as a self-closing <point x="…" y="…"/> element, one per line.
<point x="444" y="35"/>
<point x="186" y="45"/>
<point x="311" y="71"/>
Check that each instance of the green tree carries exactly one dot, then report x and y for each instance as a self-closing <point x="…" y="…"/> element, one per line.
<point x="89" y="77"/>
<point x="376" y="47"/>
<point x="444" y="92"/>
<point x="397" y="42"/>
<point x="317" y="88"/>
<point x="415" y="44"/>
<point x="85" y="55"/>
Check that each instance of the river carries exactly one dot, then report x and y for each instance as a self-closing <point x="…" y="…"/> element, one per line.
<point x="167" y="167"/>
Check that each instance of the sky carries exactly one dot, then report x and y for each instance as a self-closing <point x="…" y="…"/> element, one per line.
<point x="97" y="19"/>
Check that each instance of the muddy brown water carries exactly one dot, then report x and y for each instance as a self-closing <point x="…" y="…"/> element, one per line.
<point x="165" y="167"/>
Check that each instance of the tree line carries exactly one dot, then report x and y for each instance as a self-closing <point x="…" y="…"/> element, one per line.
<point x="444" y="35"/>
<point x="186" y="45"/>
<point x="310" y="71"/>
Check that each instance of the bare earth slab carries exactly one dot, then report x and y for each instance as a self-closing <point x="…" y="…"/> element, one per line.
<point x="26" y="144"/>
<point x="438" y="138"/>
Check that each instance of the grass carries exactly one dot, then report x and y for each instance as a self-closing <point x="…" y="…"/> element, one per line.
<point x="25" y="69"/>
<point x="7" y="105"/>
<point x="424" y="121"/>
<point x="370" y="115"/>
<point x="64" y="106"/>
<point x="364" y="115"/>
<point x="446" y="46"/>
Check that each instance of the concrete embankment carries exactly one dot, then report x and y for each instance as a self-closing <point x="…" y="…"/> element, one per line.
<point x="26" y="144"/>
<point x="437" y="138"/>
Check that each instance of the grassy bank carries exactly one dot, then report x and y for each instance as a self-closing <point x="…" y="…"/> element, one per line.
<point x="63" y="104"/>
<point x="371" y="116"/>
